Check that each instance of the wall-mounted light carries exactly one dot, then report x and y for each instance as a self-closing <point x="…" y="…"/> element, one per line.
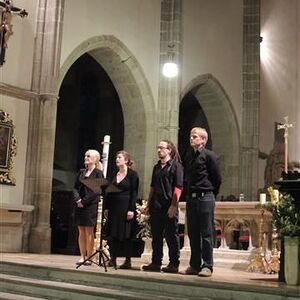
<point x="170" y="69"/>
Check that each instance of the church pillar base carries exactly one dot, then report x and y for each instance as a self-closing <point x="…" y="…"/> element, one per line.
<point x="40" y="240"/>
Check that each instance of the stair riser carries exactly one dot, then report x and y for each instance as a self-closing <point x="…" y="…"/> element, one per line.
<point x="13" y="296"/>
<point x="197" y="289"/>
<point x="200" y="293"/>
<point x="46" y="292"/>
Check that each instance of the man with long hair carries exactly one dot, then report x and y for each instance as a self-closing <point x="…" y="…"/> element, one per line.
<point x="166" y="187"/>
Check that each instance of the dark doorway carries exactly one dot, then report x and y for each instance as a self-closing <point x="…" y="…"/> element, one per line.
<point x="88" y="109"/>
<point x="190" y="115"/>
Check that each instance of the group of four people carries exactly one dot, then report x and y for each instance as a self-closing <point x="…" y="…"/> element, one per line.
<point x="203" y="180"/>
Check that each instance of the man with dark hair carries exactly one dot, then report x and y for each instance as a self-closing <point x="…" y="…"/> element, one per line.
<point x="166" y="187"/>
<point x="203" y="183"/>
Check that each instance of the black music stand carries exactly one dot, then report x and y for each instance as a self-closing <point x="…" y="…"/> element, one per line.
<point x="97" y="185"/>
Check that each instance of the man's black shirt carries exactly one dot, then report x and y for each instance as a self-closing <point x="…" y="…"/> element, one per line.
<point x="202" y="172"/>
<point x="163" y="182"/>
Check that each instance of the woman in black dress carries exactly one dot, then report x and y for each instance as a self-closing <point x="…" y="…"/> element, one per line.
<point x="87" y="204"/>
<point x="120" y="208"/>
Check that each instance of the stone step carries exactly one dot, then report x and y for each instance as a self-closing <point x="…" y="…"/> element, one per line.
<point x="237" y="264"/>
<point x="229" y="258"/>
<point x="32" y="287"/>
<point x="231" y="253"/>
<point x="9" y="296"/>
<point x="133" y="284"/>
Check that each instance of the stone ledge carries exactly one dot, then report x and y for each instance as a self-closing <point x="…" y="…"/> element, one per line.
<point x="16" y="207"/>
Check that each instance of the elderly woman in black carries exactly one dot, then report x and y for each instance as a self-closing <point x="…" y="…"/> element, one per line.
<point x="120" y="208"/>
<point x="87" y="204"/>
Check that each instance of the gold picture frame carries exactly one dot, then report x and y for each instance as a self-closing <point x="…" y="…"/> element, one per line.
<point x="8" y="148"/>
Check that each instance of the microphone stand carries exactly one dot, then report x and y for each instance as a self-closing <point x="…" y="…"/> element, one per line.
<point x="103" y="257"/>
<point x="97" y="185"/>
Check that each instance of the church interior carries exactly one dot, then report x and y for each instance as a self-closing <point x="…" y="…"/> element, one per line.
<point x="72" y="72"/>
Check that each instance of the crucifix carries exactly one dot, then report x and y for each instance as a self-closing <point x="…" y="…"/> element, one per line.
<point x="7" y="10"/>
<point x="285" y="126"/>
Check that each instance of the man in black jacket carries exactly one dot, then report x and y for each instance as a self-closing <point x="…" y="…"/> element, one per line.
<point x="203" y="183"/>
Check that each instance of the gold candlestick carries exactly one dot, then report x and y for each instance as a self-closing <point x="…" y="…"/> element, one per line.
<point x="258" y="263"/>
<point x="274" y="262"/>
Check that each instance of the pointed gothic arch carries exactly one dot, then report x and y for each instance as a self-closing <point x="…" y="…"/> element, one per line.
<point x="223" y="127"/>
<point x="134" y="92"/>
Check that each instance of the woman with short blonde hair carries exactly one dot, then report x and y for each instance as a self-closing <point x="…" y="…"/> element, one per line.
<point x="86" y="202"/>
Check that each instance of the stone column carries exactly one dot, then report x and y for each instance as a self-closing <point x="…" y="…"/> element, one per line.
<point x="250" y="100"/>
<point x="42" y="122"/>
<point x="169" y="88"/>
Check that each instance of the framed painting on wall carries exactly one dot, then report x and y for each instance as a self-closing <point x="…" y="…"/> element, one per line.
<point x="8" y="148"/>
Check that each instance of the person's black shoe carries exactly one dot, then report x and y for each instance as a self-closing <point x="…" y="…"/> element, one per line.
<point x="170" y="268"/>
<point x="151" y="267"/>
<point x="191" y="271"/>
<point x="126" y="265"/>
<point x="112" y="263"/>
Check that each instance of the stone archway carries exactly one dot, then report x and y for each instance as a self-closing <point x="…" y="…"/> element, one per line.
<point x="134" y="92"/>
<point x="223" y="127"/>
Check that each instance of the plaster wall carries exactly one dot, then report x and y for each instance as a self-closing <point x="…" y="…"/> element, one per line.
<point x="280" y="69"/>
<point x="212" y="43"/>
<point x="139" y="30"/>
<point x="19" y="114"/>
<point x="17" y="69"/>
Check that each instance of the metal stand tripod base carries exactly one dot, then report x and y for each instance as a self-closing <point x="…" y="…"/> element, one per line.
<point x="103" y="258"/>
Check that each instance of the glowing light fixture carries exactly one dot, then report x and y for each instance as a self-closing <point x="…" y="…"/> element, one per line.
<point x="170" y="68"/>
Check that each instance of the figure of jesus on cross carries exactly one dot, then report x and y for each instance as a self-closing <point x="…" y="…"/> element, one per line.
<point x="285" y="126"/>
<point x="7" y="10"/>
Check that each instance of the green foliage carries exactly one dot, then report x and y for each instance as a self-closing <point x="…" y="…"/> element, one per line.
<point x="285" y="218"/>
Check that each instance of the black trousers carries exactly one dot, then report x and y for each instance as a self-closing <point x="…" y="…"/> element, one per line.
<point x="115" y="246"/>
<point x="200" y="224"/>
<point x="162" y="226"/>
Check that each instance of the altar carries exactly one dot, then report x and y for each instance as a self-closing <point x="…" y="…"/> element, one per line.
<point x="242" y="219"/>
<point x="240" y="229"/>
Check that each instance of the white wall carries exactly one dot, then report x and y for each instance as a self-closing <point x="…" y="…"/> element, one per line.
<point x="136" y="23"/>
<point x="213" y="44"/>
<point x="19" y="112"/>
<point x="17" y="69"/>
<point x="280" y="61"/>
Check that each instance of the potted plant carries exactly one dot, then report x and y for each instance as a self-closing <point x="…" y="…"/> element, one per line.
<point x="286" y="220"/>
<point x="143" y="221"/>
<point x="145" y="229"/>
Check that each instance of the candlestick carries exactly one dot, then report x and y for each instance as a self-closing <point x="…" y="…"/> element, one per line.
<point x="258" y="263"/>
<point x="285" y="127"/>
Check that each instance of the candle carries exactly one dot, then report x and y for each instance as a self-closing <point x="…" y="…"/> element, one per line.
<point x="262" y="198"/>
<point x="105" y="153"/>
